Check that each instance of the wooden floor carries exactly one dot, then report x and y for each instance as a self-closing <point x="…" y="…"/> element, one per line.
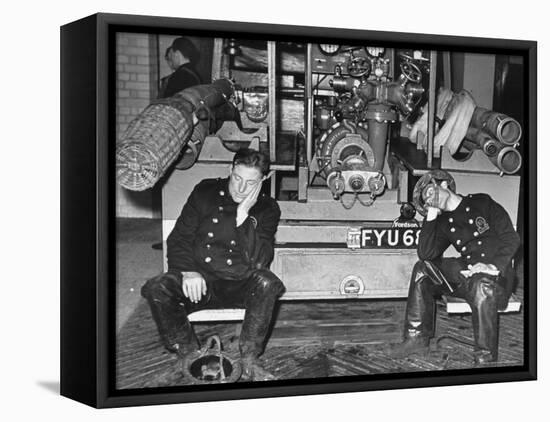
<point x="312" y="340"/>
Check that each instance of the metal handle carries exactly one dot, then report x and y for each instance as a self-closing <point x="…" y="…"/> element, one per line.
<point x="215" y="341"/>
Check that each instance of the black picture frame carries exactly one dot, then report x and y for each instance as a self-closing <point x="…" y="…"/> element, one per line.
<point x="87" y="213"/>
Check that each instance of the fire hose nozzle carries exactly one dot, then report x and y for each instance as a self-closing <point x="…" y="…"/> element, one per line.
<point x="376" y="184"/>
<point x="336" y="184"/>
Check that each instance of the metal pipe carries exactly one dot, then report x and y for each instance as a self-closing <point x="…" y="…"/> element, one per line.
<point x="217" y="58"/>
<point x="378" y="118"/>
<point x="431" y="107"/>
<point x="402" y="95"/>
<point x="506" y="129"/>
<point x="271" y="68"/>
<point x="508" y="160"/>
<point x="378" y="133"/>
<point x="483" y="140"/>
<point x="504" y="157"/>
<point x="368" y="90"/>
<point x="271" y="89"/>
<point x="447" y="75"/>
<point x="309" y="105"/>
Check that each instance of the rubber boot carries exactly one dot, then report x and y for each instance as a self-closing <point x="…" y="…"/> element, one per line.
<point x="483" y="357"/>
<point x="252" y="370"/>
<point x="418" y="344"/>
<point x="481" y="295"/>
<point x="165" y="298"/>
<point x="264" y="290"/>
<point x="419" y="316"/>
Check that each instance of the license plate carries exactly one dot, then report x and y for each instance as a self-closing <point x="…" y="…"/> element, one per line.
<point x="384" y="238"/>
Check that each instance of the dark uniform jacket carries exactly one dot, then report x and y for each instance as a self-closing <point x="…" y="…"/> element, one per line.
<point x="205" y="238"/>
<point x="183" y="77"/>
<point x="479" y="229"/>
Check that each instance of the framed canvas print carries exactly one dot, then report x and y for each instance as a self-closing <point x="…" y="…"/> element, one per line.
<point x="253" y="210"/>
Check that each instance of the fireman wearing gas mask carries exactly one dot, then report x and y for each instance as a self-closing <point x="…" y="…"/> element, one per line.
<point x="482" y="233"/>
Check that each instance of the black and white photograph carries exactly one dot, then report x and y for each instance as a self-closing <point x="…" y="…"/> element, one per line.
<point x="300" y="208"/>
<point x="243" y="211"/>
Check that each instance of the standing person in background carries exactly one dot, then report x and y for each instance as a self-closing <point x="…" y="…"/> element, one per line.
<point x="182" y="57"/>
<point x="164" y="81"/>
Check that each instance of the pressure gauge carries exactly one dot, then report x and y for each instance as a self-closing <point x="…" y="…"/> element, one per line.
<point x="375" y="51"/>
<point x="329" y="49"/>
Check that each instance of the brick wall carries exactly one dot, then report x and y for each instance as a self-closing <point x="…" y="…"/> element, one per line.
<point x="136" y="85"/>
<point x="136" y="76"/>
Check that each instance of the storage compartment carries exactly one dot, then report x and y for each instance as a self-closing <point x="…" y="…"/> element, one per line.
<point x="341" y="273"/>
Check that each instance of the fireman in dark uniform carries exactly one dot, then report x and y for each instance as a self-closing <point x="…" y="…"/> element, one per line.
<point x="481" y="231"/>
<point x="218" y="257"/>
<point x="182" y="56"/>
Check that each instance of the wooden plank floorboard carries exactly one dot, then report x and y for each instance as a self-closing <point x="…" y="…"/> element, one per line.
<point x="315" y="340"/>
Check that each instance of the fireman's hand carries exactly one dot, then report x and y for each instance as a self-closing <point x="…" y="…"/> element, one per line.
<point x="247" y="203"/>
<point x="432" y="214"/>
<point x="193" y="286"/>
<point x="481" y="267"/>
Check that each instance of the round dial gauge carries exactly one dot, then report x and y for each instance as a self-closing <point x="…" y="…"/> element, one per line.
<point x="329" y="49"/>
<point x="375" y="51"/>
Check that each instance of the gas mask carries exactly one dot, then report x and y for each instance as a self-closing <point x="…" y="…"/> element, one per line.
<point x="434" y="196"/>
<point x="429" y="193"/>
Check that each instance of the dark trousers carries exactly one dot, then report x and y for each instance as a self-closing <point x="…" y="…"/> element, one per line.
<point x="257" y="294"/>
<point x="484" y="293"/>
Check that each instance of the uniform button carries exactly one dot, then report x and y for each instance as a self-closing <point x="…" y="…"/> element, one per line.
<point x="210" y="234"/>
<point x="463" y="249"/>
<point x="233" y="243"/>
<point x="229" y="262"/>
<point x="467" y="209"/>
<point x="468" y="257"/>
<point x="453" y="230"/>
<point x="220" y="208"/>
<point x="482" y="255"/>
<point x="215" y="220"/>
<point x="208" y="246"/>
<point x="458" y="242"/>
<point x="451" y="220"/>
<point x="222" y="193"/>
<point x="476" y="234"/>
<point x="471" y="221"/>
<point x="479" y="242"/>
<point x="207" y="259"/>
<point x="230" y="250"/>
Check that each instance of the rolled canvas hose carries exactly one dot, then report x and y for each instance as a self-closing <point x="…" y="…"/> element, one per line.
<point x="156" y="138"/>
